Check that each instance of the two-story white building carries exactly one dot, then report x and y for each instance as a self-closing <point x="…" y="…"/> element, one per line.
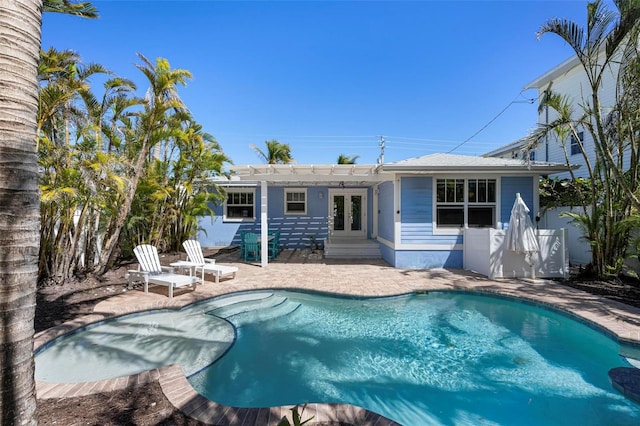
<point x="567" y="79"/>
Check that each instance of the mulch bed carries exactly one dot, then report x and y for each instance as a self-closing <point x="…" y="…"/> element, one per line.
<point x="146" y="404"/>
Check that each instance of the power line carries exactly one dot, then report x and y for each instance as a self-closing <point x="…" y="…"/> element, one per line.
<point x="530" y="101"/>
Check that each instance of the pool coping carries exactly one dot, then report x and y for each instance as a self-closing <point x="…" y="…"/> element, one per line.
<point x="620" y="321"/>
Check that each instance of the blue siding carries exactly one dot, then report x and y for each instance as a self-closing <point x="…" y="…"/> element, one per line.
<point x="385" y="211"/>
<point x="509" y="187"/>
<point x="423" y="259"/>
<point x="295" y="229"/>
<point x="416" y="210"/>
<point x="416" y="213"/>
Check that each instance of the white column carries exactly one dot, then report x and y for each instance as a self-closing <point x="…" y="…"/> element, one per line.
<point x="264" y="225"/>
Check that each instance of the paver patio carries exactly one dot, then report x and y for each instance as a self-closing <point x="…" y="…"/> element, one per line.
<point x="309" y="271"/>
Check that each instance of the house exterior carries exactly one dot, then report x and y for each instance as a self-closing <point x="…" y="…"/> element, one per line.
<point x="414" y="212"/>
<point x="568" y="79"/>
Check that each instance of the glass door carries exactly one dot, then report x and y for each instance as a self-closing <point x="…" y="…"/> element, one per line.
<point x="348" y="213"/>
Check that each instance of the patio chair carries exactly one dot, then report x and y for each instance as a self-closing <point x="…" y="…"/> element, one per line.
<point x="274" y="244"/>
<point x="150" y="271"/>
<point x="251" y="247"/>
<point x="204" y="265"/>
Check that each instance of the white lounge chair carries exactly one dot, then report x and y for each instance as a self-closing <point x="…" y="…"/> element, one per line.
<point x="194" y="254"/>
<point x="150" y="271"/>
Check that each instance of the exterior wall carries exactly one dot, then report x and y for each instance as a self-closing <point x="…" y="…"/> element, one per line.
<point x="385" y="212"/>
<point x="295" y="229"/>
<point x="419" y="246"/>
<point x="575" y="86"/>
<point x="407" y="239"/>
<point x="429" y="259"/>
<point x="509" y="186"/>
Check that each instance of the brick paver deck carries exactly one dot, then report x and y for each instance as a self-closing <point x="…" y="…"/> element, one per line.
<point x="302" y="270"/>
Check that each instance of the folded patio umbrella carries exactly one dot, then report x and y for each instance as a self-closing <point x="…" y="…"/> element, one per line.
<point x="521" y="236"/>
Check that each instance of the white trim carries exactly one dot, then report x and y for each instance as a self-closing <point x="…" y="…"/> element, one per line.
<point x="238" y="190"/>
<point x="362" y="192"/>
<point x="293" y="190"/>
<point x="386" y="242"/>
<point x="264" y="224"/>
<point x="459" y="231"/>
<point x="375" y="192"/>
<point x="397" y="221"/>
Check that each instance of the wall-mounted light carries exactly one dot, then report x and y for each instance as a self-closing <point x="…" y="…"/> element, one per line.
<point x="320" y="195"/>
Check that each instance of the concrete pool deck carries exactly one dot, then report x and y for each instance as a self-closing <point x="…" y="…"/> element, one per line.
<point x="308" y="271"/>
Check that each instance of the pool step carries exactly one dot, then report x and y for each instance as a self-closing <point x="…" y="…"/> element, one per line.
<point x="246" y="304"/>
<point x="212" y="305"/>
<point x="266" y="313"/>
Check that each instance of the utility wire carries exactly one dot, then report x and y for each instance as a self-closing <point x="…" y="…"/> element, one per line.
<point x="529" y="101"/>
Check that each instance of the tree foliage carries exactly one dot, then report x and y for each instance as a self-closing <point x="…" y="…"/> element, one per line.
<point x="117" y="169"/>
<point x="347" y="159"/>
<point x="609" y="197"/>
<point x="276" y="153"/>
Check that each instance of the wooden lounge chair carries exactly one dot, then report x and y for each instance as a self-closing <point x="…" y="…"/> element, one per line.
<point x="194" y="254"/>
<point x="150" y="271"/>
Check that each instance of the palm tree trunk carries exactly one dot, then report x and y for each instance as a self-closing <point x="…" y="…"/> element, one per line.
<point x="111" y="238"/>
<point x="20" y="22"/>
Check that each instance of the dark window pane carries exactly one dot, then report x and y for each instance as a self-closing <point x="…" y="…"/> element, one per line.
<point x="472" y="190"/>
<point x="451" y="191"/>
<point x="482" y="191"/>
<point x="441" y="191"/>
<point x="239" y="211"/>
<point x="295" y="207"/>
<point x="480" y="217"/>
<point x="491" y="191"/>
<point x="451" y="216"/>
<point x="459" y="191"/>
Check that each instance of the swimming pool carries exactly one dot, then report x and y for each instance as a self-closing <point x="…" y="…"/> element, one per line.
<point x="438" y="358"/>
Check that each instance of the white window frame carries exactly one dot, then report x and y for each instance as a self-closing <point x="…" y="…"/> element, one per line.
<point x="574" y="145"/>
<point x="288" y="191"/>
<point x="465" y="204"/>
<point x="230" y="192"/>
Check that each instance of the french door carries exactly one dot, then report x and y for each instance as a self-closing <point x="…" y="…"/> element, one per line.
<point x="348" y="213"/>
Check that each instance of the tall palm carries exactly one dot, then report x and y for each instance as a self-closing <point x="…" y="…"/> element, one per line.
<point x="20" y="28"/>
<point x="163" y="108"/>
<point x="277" y="152"/>
<point x="344" y="159"/>
<point x="607" y="45"/>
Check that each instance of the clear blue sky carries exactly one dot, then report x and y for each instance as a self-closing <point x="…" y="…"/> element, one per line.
<point x="331" y="77"/>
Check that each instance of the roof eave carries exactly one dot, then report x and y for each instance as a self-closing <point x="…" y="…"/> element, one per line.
<point x="481" y="169"/>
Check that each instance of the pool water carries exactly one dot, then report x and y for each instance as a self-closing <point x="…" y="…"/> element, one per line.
<point x="442" y="358"/>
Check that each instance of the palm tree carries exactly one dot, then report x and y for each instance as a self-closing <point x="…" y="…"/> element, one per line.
<point x="343" y="159"/>
<point x="84" y="9"/>
<point x="607" y="45"/>
<point x="277" y="152"/>
<point x="163" y="111"/>
<point x="20" y="26"/>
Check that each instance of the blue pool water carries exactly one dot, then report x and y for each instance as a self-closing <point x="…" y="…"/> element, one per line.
<point x="441" y="358"/>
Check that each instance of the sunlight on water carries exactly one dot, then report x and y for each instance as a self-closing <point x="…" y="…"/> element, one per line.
<point x="444" y="358"/>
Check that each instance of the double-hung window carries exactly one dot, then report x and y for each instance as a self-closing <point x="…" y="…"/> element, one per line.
<point x="464" y="203"/>
<point x="240" y="205"/>
<point x="575" y="143"/>
<point x="295" y="201"/>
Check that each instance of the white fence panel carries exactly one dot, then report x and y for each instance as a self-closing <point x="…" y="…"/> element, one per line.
<point x="485" y="253"/>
